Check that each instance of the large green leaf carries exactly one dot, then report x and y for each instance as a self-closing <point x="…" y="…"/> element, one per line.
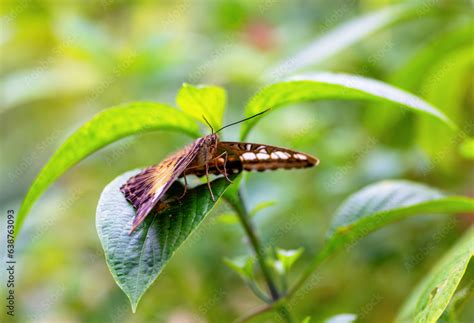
<point x="431" y="297"/>
<point x="203" y="101"/>
<point x="323" y="86"/>
<point x="380" y="204"/>
<point x="136" y="260"/>
<point x="385" y="202"/>
<point x="104" y="128"/>
<point x="380" y="197"/>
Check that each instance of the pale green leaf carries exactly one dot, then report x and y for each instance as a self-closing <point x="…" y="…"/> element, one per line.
<point x="203" y="101"/>
<point x="467" y="148"/>
<point x="380" y="197"/>
<point x="228" y="218"/>
<point x="413" y="73"/>
<point x="324" y="86"/>
<point x="445" y="86"/>
<point x="288" y="257"/>
<point x="243" y="266"/>
<point x="104" y="128"/>
<point x="136" y="260"/>
<point x="410" y="76"/>
<point x="232" y="218"/>
<point x="458" y="300"/>
<point x="342" y="318"/>
<point x="380" y="204"/>
<point x="430" y="298"/>
<point x="336" y="40"/>
<point x="260" y="207"/>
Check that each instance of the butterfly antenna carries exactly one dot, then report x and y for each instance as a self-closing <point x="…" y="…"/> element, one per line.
<point x="208" y="123"/>
<point x="234" y="123"/>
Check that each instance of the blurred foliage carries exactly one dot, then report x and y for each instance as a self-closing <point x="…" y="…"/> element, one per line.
<point x="62" y="62"/>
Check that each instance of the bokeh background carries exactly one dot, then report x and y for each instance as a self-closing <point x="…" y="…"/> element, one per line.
<point x="63" y="61"/>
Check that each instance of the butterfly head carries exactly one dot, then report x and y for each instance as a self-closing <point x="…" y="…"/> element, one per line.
<point x="211" y="140"/>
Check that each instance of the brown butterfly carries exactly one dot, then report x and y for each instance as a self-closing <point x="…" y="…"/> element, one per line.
<point x="207" y="155"/>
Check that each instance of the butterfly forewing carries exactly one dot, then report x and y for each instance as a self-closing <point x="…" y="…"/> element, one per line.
<point x="145" y="189"/>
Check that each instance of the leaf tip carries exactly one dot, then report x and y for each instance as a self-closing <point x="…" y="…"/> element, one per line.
<point x="134" y="306"/>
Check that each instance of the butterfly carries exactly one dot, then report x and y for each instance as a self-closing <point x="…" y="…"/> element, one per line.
<point x="206" y="155"/>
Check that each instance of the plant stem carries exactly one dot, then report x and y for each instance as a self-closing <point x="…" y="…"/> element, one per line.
<point x="254" y="240"/>
<point x="238" y="204"/>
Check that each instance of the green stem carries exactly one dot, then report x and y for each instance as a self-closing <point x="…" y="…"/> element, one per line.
<point x="239" y="206"/>
<point x="285" y="313"/>
<point x="259" y="252"/>
<point x="277" y="305"/>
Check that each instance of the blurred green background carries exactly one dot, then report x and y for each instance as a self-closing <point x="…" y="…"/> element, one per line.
<point x="64" y="61"/>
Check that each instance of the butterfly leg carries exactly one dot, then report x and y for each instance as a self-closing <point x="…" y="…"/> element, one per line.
<point x="224" y="154"/>
<point x="185" y="186"/>
<point x="209" y="183"/>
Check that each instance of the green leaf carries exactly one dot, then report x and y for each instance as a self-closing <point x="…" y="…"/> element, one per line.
<point x="385" y="202"/>
<point x="432" y="295"/>
<point x="445" y="86"/>
<point x="383" y="196"/>
<point x="342" y="318"/>
<point x="380" y="204"/>
<point x="456" y="303"/>
<point x="413" y="73"/>
<point x="228" y="218"/>
<point x="199" y="101"/>
<point x="232" y="218"/>
<point x="288" y="257"/>
<point x="243" y="266"/>
<point x="338" y="39"/>
<point x="324" y="86"/>
<point x="104" y="128"/>
<point x="136" y="260"/>
<point x="307" y="319"/>
<point x="260" y="206"/>
<point x="467" y="148"/>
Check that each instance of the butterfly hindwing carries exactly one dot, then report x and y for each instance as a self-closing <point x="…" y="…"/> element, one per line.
<point x="145" y="189"/>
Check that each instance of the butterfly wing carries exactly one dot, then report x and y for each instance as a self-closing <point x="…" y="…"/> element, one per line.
<point x="238" y="156"/>
<point x="145" y="189"/>
<point x="258" y="157"/>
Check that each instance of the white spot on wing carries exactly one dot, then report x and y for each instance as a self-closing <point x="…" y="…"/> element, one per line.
<point x="300" y="156"/>
<point x="263" y="156"/>
<point x="249" y="156"/>
<point x="281" y="155"/>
